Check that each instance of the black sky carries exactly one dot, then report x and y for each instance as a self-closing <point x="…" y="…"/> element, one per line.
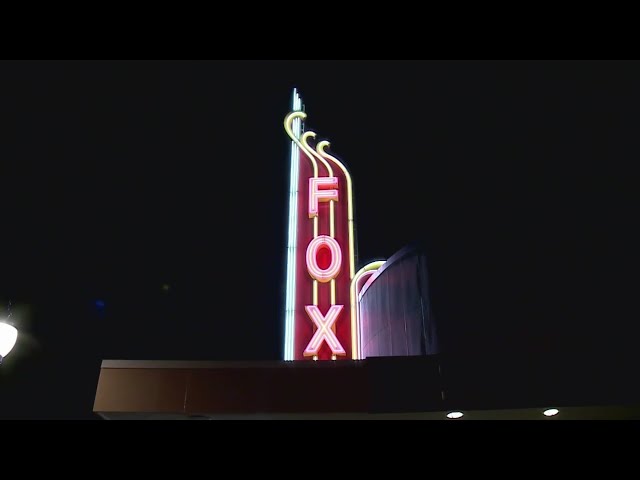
<point x="120" y="177"/>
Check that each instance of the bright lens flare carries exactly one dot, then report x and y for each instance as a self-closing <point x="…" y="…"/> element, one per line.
<point x="8" y="337"/>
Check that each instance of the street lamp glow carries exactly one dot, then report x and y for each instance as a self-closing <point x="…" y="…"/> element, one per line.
<point x="8" y="337"/>
<point x="550" y="412"/>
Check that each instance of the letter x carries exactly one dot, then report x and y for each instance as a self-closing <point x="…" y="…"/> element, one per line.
<point x="324" y="330"/>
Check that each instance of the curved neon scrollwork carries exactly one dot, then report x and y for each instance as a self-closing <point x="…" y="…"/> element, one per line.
<point x="356" y="340"/>
<point x="288" y="123"/>
<point x="311" y="151"/>
<point x="320" y="148"/>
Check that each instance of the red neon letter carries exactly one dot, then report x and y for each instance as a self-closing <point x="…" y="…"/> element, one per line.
<point x="331" y="272"/>
<point x="316" y="195"/>
<point x="324" y="332"/>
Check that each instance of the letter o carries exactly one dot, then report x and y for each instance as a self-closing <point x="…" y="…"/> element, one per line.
<point x="331" y="272"/>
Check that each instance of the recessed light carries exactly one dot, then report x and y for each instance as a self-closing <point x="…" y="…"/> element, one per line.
<point x="455" y="414"/>
<point x="550" y="412"/>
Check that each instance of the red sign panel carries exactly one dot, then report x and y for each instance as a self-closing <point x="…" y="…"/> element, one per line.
<point x="320" y="258"/>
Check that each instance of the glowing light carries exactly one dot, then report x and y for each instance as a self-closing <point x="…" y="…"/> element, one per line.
<point x="356" y="341"/>
<point x="321" y="189"/>
<point x="8" y="337"/>
<point x="293" y="126"/>
<point x="317" y="195"/>
<point x="309" y="150"/>
<point x="324" y="332"/>
<point x="288" y="122"/>
<point x="332" y="271"/>
<point x="455" y="415"/>
<point x="366" y="284"/>
<point x="550" y="412"/>
<point x="350" y="219"/>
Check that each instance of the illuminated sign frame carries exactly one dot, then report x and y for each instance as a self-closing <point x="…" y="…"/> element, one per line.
<point x="320" y="221"/>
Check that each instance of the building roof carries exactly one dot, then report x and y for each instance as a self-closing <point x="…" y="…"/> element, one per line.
<point x="428" y="387"/>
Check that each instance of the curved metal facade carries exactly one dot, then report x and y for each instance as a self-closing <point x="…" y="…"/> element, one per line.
<point x="395" y="308"/>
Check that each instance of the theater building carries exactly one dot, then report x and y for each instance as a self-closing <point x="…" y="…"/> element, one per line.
<point x="360" y="340"/>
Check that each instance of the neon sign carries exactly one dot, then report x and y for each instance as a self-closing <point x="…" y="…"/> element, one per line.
<point x="324" y="330"/>
<point x="321" y="315"/>
<point x="324" y="275"/>
<point x="316" y="195"/>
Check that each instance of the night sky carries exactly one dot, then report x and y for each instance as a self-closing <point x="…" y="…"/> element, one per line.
<point x="144" y="205"/>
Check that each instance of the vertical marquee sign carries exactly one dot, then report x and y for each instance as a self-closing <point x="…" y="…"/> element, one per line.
<point x="319" y="319"/>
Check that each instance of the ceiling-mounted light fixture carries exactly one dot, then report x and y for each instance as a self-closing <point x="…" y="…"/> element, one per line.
<point x="8" y="335"/>
<point x="455" y="415"/>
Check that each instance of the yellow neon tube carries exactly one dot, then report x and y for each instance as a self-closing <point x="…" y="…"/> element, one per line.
<point x="288" y="121"/>
<point x="331" y="207"/>
<point x="355" y="322"/>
